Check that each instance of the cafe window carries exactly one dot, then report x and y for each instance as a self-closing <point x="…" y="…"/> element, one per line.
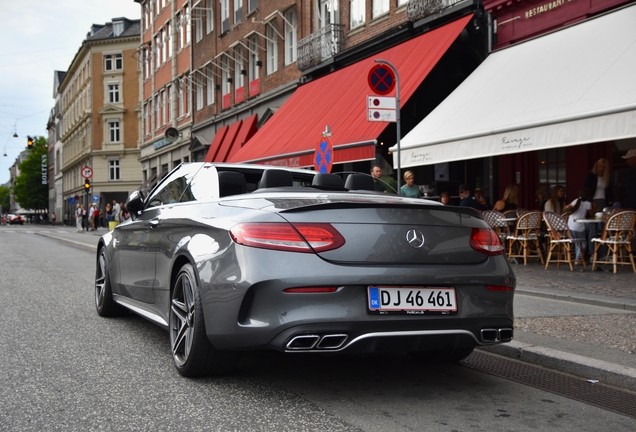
<point x="551" y="165"/>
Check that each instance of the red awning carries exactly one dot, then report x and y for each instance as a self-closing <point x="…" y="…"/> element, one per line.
<point x="247" y="131"/>
<point x="340" y="100"/>
<point x="226" y="145"/>
<point x="216" y="144"/>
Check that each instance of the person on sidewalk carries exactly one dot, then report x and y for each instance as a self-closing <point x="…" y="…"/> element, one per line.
<point x="630" y="181"/>
<point x="116" y="210"/>
<point x="581" y="208"/>
<point x="78" y="218"/>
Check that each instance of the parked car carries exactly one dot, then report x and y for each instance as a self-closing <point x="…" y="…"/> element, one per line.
<point x="230" y="258"/>
<point x="15" y="219"/>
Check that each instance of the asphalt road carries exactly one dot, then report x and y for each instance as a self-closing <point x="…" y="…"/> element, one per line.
<point x="65" y="368"/>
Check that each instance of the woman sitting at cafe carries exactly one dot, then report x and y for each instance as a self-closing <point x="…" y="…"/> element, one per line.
<point x="509" y="200"/>
<point x="556" y="203"/>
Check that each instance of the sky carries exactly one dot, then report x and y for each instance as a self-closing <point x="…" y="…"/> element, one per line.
<point x="38" y="37"/>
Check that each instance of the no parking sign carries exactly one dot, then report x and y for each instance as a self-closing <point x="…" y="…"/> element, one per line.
<point x="323" y="157"/>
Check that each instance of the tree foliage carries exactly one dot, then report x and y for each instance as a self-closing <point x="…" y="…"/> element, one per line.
<point x="5" y="202"/>
<point x="28" y="189"/>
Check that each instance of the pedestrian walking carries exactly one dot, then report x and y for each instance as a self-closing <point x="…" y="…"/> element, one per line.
<point x="78" y="218"/>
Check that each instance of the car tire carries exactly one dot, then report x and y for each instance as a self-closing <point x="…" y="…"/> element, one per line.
<point x="104" y="303"/>
<point x="450" y="355"/>
<point x="192" y="352"/>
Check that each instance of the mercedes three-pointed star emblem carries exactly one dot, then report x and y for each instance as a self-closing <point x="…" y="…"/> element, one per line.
<point x="415" y="238"/>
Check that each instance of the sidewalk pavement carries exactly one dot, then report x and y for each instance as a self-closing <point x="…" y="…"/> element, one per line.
<point x="595" y="345"/>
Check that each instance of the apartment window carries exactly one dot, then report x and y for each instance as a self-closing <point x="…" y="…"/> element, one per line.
<point x="198" y="31"/>
<point x="225" y="15"/>
<point x="239" y="78"/>
<point x="380" y="7"/>
<point x="252" y="43"/>
<point x="169" y="102"/>
<point x="157" y="51"/>
<point x="251" y="5"/>
<point x="113" y="93"/>
<point x="146" y="123"/>
<point x="272" y="50"/>
<point x="113" y="131"/>
<point x="157" y="111"/>
<point x="291" y="35"/>
<point x="114" y="171"/>
<point x="164" y="45"/>
<point x="162" y="99"/>
<point x="210" y="84"/>
<point x="209" y="16"/>
<point x="238" y="11"/>
<point x="357" y="12"/>
<point x="168" y="40"/>
<point x="199" y="90"/>
<point x="188" y="22"/>
<point x="179" y="31"/>
<point x="113" y="62"/>
<point x="227" y="80"/>
<point x="181" y="99"/>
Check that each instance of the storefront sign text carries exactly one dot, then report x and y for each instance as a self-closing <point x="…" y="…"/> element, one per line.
<point x="545" y="8"/>
<point x="45" y="170"/>
<point x="515" y="143"/>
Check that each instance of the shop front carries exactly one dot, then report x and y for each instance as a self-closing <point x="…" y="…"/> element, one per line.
<point x="539" y="112"/>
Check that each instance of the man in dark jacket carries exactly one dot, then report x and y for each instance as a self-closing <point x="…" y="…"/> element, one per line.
<point x="467" y="200"/>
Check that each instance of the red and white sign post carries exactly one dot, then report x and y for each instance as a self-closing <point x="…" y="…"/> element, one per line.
<point x="383" y="78"/>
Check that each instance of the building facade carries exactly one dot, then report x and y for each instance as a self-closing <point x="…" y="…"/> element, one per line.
<point x="165" y="84"/>
<point x="99" y="94"/>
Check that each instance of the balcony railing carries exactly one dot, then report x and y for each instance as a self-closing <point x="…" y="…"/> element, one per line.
<point x="320" y="46"/>
<point x="418" y="9"/>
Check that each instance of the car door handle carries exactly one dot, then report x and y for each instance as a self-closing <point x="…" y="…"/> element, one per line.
<point x="153" y="223"/>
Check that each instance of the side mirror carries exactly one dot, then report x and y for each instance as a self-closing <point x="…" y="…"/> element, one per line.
<point x="135" y="204"/>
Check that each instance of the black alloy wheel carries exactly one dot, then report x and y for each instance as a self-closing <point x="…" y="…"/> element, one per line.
<point x="192" y="352"/>
<point x="104" y="302"/>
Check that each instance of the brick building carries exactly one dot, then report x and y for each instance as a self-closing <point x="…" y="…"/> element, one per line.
<point x="165" y="59"/>
<point x="270" y="77"/>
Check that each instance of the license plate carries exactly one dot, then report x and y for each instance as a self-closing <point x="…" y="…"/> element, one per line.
<point x="411" y="300"/>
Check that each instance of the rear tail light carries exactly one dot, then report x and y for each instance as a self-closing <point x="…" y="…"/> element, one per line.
<point x="486" y="241"/>
<point x="305" y="237"/>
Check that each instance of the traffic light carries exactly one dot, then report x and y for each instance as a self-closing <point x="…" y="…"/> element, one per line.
<point x="30" y="142"/>
<point x="87" y="184"/>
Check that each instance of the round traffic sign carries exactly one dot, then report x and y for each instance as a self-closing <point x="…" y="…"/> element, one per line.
<point x="87" y="172"/>
<point x="381" y="79"/>
<point x="323" y="157"/>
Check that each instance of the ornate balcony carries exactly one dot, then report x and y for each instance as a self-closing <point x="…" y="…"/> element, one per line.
<point x="418" y="9"/>
<point x="320" y="46"/>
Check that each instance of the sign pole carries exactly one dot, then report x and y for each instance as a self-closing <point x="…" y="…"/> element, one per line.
<point x="397" y="117"/>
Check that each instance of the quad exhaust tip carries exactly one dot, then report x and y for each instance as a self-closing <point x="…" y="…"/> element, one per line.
<point x="493" y="335"/>
<point x="320" y="342"/>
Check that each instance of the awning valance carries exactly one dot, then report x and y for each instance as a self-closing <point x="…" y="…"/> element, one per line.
<point x="574" y="86"/>
<point x="339" y="100"/>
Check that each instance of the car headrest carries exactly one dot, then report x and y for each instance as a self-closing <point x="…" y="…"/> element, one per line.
<point x="275" y="178"/>
<point x="328" y="181"/>
<point x="359" y="182"/>
<point x="231" y="183"/>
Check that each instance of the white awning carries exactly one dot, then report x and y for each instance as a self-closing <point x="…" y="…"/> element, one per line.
<point x="574" y="86"/>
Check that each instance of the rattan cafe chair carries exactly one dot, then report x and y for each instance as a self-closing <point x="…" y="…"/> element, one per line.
<point x="525" y="242"/>
<point x="561" y="245"/>
<point x="497" y="222"/>
<point x="617" y="236"/>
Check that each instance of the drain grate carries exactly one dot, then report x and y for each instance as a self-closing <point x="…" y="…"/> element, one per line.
<point x="600" y="395"/>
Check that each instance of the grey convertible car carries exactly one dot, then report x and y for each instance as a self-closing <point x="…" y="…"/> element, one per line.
<point x="230" y="258"/>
